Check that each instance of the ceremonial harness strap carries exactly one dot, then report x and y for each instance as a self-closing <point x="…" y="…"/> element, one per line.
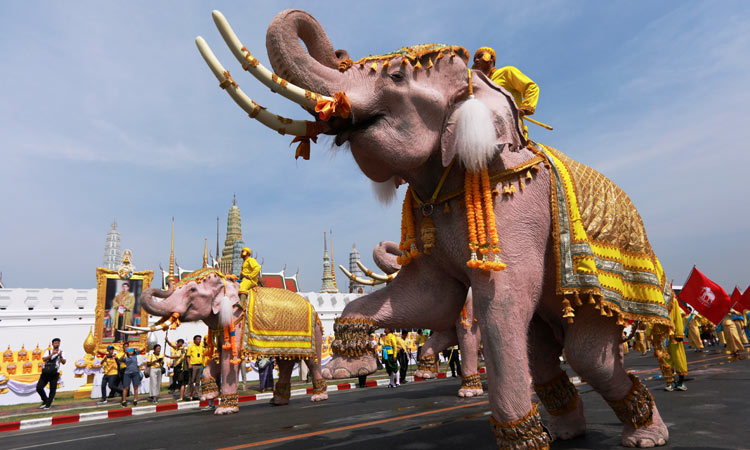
<point x="229" y="400"/>
<point x="495" y="178"/>
<point x="319" y="386"/>
<point x="208" y="385"/>
<point x="472" y="381"/>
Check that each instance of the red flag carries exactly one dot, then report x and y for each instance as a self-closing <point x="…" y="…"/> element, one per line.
<point x="745" y="302"/>
<point x="736" y="298"/>
<point x="707" y="297"/>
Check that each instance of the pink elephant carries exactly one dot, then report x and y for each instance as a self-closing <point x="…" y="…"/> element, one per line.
<point x="408" y="116"/>
<point x="209" y="297"/>
<point x="465" y="333"/>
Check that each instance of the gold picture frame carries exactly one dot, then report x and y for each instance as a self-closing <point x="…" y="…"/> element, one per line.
<point x="109" y="286"/>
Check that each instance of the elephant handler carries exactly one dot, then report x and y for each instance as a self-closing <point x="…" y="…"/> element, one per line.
<point x="249" y="274"/>
<point x="525" y="92"/>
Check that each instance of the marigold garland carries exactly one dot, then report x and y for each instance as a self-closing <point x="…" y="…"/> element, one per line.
<point x="480" y="220"/>
<point x="471" y="221"/>
<point x="408" y="245"/>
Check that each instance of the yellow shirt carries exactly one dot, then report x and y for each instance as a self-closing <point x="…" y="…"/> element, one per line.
<point x="421" y="339"/>
<point x="158" y="360"/>
<point x="401" y="344"/>
<point x="109" y="365"/>
<point x="525" y="92"/>
<point x="195" y="355"/>
<point x="250" y="272"/>
<point x="390" y="341"/>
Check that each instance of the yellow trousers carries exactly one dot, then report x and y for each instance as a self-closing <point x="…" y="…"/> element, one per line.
<point x="734" y="343"/>
<point x="694" y="335"/>
<point x="741" y="330"/>
<point x="677" y="357"/>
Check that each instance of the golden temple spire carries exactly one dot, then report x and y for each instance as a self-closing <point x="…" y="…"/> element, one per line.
<point x="205" y="253"/>
<point x="333" y="272"/>
<point x="171" y="255"/>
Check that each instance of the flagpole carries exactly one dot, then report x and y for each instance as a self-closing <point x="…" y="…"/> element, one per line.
<point x="688" y="278"/>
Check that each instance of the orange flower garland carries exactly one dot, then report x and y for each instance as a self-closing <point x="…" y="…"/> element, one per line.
<point x="480" y="208"/>
<point x="408" y="245"/>
<point x="471" y="221"/>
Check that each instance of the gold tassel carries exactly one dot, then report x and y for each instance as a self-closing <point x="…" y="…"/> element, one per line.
<point x="568" y="312"/>
<point x="429" y="64"/>
<point x="453" y="53"/>
<point x="387" y="64"/>
<point x="521" y="184"/>
<point x="404" y="61"/>
<point x="418" y="65"/>
<point x="592" y="301"/>
<point x="374" y="66"/>
<point x="577" y="300"/>
<point x="428" y="231"/>
<point x="439" y="56"/>
<point x="512" y="189"/>
<point x="506" y="190"/>
<point x="446" y="208"/>
<point x="528" y="174"/>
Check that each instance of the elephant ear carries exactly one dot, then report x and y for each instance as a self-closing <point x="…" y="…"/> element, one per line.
<point x="218" y="288"/>
<point x="503" y="115"/>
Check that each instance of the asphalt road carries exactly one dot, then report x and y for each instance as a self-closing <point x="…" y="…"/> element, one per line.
<point x="712" y="414"/>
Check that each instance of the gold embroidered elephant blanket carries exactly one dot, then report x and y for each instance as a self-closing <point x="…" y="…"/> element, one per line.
<point x="279" y="323"/>
<point x="602" y="252"/>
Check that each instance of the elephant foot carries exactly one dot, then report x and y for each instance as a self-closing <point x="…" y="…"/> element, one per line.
<point x="470" y="392"/>
<point x="653" y="435"/>
<point x="568" y="425"/>
<point x="223" y="410"/>
<point x="426" y="374"/>
<point x="209" y="395"/>
<point x="348" y="367"/>
<point x="279" y="401"/>
<point x="319" y="397"/>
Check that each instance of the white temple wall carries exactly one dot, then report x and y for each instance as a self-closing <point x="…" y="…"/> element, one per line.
<point x="35" y="316"/>
<point x="329" y="307"/>
<point x="31" y="316"/>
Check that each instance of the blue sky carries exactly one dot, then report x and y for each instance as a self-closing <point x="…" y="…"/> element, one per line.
<point x="108" y="111"/>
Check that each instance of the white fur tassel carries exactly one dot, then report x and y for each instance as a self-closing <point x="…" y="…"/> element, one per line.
<point x="475" y="134"/>
<point x="225" y="312"/>
<point x="384" y="191"/>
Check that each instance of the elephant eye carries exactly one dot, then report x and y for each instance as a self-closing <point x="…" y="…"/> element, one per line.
<point x="397" y="77"/>
<point x="192" y="289"/>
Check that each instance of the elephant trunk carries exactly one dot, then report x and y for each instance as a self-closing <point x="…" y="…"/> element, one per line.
<point x="314" y="68"/>
<point x="385" y="255"/>
<point x="163" y="308"/>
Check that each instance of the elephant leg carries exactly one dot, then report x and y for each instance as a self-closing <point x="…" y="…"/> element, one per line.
<point x="467" y="331"/>
<point x="428" y="366"/>
<point x="504" y="304"/>
<point x="282" y="391"/>
<point x="421" y="294"/>
<point x="553" y="387"/>
<point x="319" y="383"/>
<point x="593" y="348"/>
<point x="209" y="388"/>
<point x="229" y="379"/>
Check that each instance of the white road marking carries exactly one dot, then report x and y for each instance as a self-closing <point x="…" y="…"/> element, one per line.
<point x="65" y="441"/>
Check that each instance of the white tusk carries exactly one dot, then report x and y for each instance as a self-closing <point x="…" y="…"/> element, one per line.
<point x="131" y="332"/>
<point x="157" y="326"/>
<point x="294" y="93"/>
<point x="254" y="110"/>
<point x="358" y="279"/>
<point x="376" y="276"/>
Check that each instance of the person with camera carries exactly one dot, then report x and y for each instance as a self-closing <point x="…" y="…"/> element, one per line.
<point x="111" y="377"/>
<point x="180" y="366"/>
<point x="52" y="359"/>
<point x="154" y="371"/>
<point x="131" y="376"/>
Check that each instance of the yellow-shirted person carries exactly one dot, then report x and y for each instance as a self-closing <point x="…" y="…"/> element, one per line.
<point x="402" y="356"/>
<point x="676" y="348"/>
<point x="524" y="91"/>
<point x="110" y="369"/>
<point x="390" y="347"/>
<point x="195" y="366"/>
<point x="249" y="274"/>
